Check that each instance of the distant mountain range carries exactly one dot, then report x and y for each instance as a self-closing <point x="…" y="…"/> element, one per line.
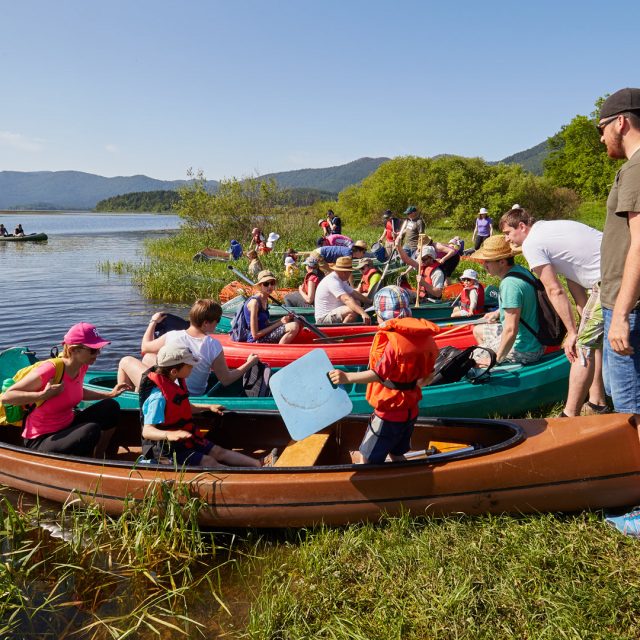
<point x="78" y="190"/>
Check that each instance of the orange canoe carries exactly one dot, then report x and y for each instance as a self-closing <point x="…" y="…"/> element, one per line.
<point x="487" y="466"/>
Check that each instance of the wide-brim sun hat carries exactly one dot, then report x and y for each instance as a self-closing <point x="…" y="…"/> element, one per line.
<point x="265" y="276"/>
<point x="174" y="355"/>
<point x="494" y="248"/>
<point x="483" y="212"/>
<point x="469" y="274"/>
<point x="289" y="260"/>
<point x="85" y="334"/>
<point x="392" y="302"/>
<point x="359" y="244"/>
<point x="273" y="237"/>
<point x="344" y="263"/>
<point x="321" y="221"/>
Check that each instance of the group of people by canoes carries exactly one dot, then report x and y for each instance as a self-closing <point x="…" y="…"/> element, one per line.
<point x="602" y="272"/>
<point x="18" y="232"/>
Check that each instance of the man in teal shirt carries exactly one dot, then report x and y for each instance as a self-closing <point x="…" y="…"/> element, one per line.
<point x="504" y="332"/>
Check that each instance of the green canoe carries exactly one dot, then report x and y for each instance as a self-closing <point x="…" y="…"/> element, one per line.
<point x="511" y="389"/>
<point x="32" y="237"/>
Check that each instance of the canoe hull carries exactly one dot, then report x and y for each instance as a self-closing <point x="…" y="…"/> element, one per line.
<point x="32" y="237"/>
<point x="560" y="465"/>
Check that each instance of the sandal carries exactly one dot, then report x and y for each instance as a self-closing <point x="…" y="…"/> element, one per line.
<point x="270" y="459"/>
<point x="589" y="409"/>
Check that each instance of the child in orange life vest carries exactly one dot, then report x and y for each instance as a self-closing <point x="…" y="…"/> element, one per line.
<point x="472" y="296"/>
<point x="168" y="429"/>
<point x="401" y="361"/>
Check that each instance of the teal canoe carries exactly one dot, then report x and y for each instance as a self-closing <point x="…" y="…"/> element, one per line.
<point x="511" y="390"/>
<point x="32" y="237"/>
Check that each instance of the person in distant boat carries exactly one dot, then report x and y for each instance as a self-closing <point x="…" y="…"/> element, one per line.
<point x="54" y="426"/>
<point x="336" y="300"/>
<point x="256" y="315"/>
<point x="401" y="361"/>
<point x="168" y="430"/>
<point x="19" y="231"/>
<point x="471" y="297"/>
<point x="3" y="231"/>
<point x="335" y="224"/>
<point x="204" y="316"/>
<point x="306" y="293"/>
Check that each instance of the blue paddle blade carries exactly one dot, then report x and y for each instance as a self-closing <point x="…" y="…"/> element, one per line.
<point x="306" y="398"/>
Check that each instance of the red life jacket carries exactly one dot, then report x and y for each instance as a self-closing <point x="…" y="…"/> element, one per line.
<point x="465" y="301"/>
<point x="414" y="353"/>
<point x="366" y="276"/>
<point x="307" y="278"/>
<point x="426" y="274"/>
<point x="178" y="410"/>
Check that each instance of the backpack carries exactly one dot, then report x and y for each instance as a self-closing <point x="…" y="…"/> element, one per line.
<point x="453" y="364"/>
<point x="255" y="381"/>
<point x="551" y="329"/>
<point x="239" y="327"/>
<point x="15" y="414"/>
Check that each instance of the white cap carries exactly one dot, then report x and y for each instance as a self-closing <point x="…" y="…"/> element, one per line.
<point x="483" y="210"/>
<point x="289" y="260"/>
<point x="429" y="251"/>
<point x="273" y="237"/>
<point x="469" y="274"/>
<point x="516" y="206"/>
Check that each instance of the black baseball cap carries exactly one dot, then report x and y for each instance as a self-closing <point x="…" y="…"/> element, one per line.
<point x="621" y="101"/>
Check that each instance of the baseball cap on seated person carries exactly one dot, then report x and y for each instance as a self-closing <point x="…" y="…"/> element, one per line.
<point x="311" y="261"/>
<point x="430" y="251"/>
<point x="364" y="262"/>
<point x="174" y="355"/>
<point x="392" y="302"/>
<point x="85" y="334"/>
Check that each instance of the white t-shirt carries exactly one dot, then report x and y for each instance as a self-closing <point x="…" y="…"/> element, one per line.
<point x="328" y="295"/>
<point x="571" y="248"/>
<point x="207" y="349"/>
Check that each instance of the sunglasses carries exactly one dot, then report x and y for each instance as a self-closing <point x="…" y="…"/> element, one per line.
<point x="271" y="283"/>
<point x="91" y="350"/>
<point x="601" y="126"/>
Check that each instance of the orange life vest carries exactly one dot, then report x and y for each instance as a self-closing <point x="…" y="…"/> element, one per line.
<point x="426" y="274"/>
<point x="366" y="276"/>
<point x="465" y="301"/>
<point x="414" y="353"/>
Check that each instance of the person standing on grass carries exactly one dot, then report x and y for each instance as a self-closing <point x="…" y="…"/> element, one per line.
<point x="335" y="224"/>
<point x="392" y="227"/>
<point x="401" y="362"/>
<point x="504" y="331"/>
<point x="413" y="227"/>
<point x="570" y="249"/>
<point x="483" y="228"/>
<point x="619" y="129"/>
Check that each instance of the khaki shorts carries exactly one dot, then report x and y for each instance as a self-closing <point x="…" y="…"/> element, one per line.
<point x="336" y="316"/>
<point x="591" y="329"/>
<point x="491" y="338"/>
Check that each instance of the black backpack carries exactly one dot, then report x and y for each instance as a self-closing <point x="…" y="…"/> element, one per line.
<point x="255" y="381"/>
<point x="453" y="364"/>
<point x="551" y="329"/>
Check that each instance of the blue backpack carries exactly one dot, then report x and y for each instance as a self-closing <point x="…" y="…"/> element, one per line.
<point x="239" y="327"/>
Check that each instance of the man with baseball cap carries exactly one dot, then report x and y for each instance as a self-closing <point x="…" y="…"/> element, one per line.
<point x="505" y="331"/>
<point x="571" y="249"/>
<point x="619" y="128"/>
<point x="412" y="228"/>
<point x="336" y="300"/>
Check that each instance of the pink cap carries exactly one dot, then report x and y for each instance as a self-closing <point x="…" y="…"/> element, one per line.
<point x="85" y="334"/>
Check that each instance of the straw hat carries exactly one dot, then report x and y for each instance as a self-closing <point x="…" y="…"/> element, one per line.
<point x="494" y="248"/>
<point x="344" y="263"/>
<point x="265" y="276"/>
<point x="360" y="244"/>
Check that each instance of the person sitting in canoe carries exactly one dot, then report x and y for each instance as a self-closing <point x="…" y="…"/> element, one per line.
<point x="3" y="231"/>
<point x="306" y="293"/>
<point x="256" y="315"/>
<point x="471" y="297"/>
<point x="336" y="300"/>
<point x="401" y="361"/>
<point x="204" y="316"/>
<point x="19" y="231"/>
<point x="370" y="275"/>
<point x="431" y="279"/>
<point x="54" y="426"/>
<point x="168" y="430"/>
<point x="504" y="331"/>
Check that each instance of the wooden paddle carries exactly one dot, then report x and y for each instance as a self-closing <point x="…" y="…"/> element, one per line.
<point x="378" y="284"/>
<point x="419" y="271"/>
<point x="461" y="326"/>
<point x="304" y="321"/>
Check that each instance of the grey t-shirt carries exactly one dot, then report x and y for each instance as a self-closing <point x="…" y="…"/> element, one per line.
<point x="623" y="197"/>
<point x="412" y="230"/>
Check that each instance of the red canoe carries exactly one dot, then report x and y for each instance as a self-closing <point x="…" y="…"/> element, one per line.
<point x="353" y="351"/>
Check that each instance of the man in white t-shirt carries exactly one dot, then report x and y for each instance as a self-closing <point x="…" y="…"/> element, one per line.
<point x="336" y="300"/>
<point x="570" y="249"/>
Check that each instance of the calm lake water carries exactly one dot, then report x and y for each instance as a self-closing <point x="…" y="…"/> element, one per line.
<point x="49" y="286"/>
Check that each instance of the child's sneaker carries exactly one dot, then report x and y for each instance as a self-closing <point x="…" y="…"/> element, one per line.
<point x="627" y="523"/>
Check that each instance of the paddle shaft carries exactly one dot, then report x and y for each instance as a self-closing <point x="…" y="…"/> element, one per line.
<point x="378" y="284"/>
<point x="419" y="274"/>
<point x="279" y="304"/>
<point x="460" y="326"/>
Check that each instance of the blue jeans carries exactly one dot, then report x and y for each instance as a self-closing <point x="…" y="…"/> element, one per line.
<point x="622" y="373"/>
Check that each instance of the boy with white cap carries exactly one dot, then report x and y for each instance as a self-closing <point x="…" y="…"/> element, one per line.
<point x="472" y="296"/>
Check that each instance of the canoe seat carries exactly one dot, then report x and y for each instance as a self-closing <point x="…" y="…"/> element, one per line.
<point x="305" y="452"/>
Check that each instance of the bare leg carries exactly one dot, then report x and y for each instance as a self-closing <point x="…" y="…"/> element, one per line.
<point x="130" y="370"/>
<point x="580" y="378"/>
<point x="232" y="458"/>
<point x="349" y="317"/>
<point x="150" y="359"/>
<point x="596" y="390"/>
<point x="292" y="330"/>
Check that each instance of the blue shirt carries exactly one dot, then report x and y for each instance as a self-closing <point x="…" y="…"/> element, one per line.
<point x="153" y="409"/>
<point x="332" y="253"/>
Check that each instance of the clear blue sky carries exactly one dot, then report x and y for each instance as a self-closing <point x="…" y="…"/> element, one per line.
<point x="239" y="87"/>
